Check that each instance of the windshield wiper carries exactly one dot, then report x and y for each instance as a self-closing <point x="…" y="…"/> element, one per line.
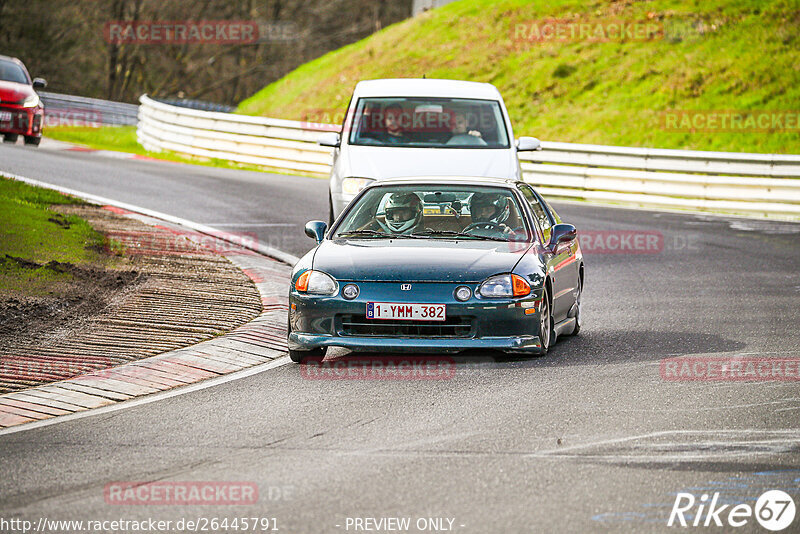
<point x="451" y="233"/>
<point x="375" y="233"/>
<point x="364" y="233"/>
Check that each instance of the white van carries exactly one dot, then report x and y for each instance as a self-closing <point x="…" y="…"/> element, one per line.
<point x="410" y="127"/>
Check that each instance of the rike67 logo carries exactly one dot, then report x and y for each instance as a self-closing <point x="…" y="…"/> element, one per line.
<point x="774" y="510"/>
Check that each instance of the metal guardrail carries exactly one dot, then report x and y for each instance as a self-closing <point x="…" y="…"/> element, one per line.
<point x="197" y="104"/>
<point x="79" y="110"/>
<point x="752" y="184"/>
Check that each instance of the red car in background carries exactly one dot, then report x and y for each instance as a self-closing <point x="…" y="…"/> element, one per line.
<point x="21" y="110"/>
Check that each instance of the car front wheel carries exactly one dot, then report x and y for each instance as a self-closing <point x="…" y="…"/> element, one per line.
<point x="299" y="356"/>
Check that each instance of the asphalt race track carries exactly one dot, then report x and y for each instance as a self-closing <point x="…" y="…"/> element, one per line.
<point x="592" y="437"/>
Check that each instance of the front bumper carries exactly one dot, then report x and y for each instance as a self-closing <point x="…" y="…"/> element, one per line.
<point x="501" y="324"/>
<point x="526" y="344"/>
<point x="24" y="121"/>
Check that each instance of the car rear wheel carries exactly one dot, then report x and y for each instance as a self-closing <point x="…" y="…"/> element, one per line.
<point x="33" y="141"/>
<point x="10" y="138"/>
<point x="578" y="310"/>
<point x="298" y="356"/>
<point x="545" y="323"/>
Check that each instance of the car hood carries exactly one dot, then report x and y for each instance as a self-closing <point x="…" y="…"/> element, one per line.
<point x="394" y="162"/>
<point x="14" y="93"/>
<point x="416" y="260"/>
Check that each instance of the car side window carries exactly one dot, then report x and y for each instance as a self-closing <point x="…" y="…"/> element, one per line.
<point x="539" y="211"/>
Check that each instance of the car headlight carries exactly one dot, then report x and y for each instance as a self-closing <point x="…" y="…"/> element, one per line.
<point x="316" y="283"/>
<point x="504" y="286"/>
<point x="31" y="102"/>
<point x="351" y="186"/>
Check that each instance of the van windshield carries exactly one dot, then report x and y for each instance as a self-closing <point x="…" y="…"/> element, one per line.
<point x="429" y="123"/>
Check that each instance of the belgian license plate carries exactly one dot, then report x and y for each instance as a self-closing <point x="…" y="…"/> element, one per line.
<point x="5" y="116"/>
<point x="409" y="312"/>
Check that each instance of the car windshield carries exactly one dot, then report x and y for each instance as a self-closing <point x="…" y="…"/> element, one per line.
<point x="11" y="72"/>
<point x="435" y="211"/>
<point x="429" y="123"/>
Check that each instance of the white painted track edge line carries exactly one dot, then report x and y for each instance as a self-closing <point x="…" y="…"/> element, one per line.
<point x="152" y="397"/>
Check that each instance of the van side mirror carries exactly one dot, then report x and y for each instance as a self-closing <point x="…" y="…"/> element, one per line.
<point x="526" y="144"/>
<point x="329" y="139"/>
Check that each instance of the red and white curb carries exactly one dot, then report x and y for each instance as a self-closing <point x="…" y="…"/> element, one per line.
<point x="254" y="347"/>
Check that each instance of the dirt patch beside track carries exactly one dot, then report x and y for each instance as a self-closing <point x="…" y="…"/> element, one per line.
<point x="166" y="292"/>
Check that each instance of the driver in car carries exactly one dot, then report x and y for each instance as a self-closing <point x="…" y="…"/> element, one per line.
<point x="492" y="210"/>
<point x="392" y="122"/>
<point x="403" y="213"/>
<point x="460" y="135"/>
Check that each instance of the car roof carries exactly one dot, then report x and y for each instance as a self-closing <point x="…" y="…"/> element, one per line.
<point x="448" y="180"/>
<point x="414" y="87"/>
<point x="12" y="59"/>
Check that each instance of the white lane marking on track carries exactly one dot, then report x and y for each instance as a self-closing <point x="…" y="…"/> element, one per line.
<point x="789" y="432"/>
<point x="154" y="397"/>
<point x="259" y="247"/>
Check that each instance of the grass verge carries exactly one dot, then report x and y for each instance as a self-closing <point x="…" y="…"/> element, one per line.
<point x="37" y="242"/>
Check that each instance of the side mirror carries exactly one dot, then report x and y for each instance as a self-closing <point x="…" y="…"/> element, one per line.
<point x="329" y="139"/>
<point x="562" y="233"/>
<point x="526" y="144"/>
<point x="39" y="83"/>
<point x="316" y="230"/>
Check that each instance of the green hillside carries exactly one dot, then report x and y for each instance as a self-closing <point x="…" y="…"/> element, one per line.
<point x="706" y="55"/>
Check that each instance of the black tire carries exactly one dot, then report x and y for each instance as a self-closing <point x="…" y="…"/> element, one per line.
<point x="546" y="333"/>
<point x="578" y="314"/>
<point x="10" y="138"/>
<point x="33" y="141"/>
<point x="330" y="210"/>
<point x="298" y="356"/>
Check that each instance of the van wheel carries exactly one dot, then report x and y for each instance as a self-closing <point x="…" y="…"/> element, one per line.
<point x="10" y="138"/>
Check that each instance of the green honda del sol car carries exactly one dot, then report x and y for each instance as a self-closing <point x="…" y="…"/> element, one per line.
<point x="438" y="264"/>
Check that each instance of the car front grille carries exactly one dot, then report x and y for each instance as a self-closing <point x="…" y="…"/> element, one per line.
<point x="359" y="325"/>
<point x="19" y="119"/>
